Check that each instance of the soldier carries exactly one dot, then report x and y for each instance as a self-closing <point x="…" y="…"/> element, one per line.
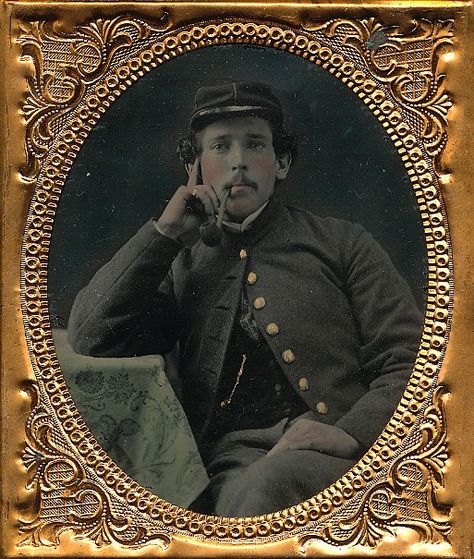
<point x="296" y="334"/>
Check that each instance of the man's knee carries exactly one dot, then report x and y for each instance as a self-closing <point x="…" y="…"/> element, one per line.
<point x="268" y="485"/>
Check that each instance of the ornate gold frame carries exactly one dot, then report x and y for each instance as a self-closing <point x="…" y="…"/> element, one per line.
<point x="67" y="68"/>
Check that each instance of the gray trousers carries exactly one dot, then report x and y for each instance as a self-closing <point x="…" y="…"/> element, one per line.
<point x="245" y="482"/>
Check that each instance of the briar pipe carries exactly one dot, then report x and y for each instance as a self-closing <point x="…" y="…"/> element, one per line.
<point x="211" y="231"/>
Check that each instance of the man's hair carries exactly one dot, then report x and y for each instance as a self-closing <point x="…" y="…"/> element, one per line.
<point x="189" y="146"/>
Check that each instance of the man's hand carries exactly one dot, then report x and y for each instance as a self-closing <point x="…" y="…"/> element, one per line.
<point x="177" y="221"/>
<point x="307" y="434"/>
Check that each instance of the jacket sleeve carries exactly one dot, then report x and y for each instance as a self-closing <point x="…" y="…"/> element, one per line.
<point x="390" y="326"/>
<point x="129" y="307"/>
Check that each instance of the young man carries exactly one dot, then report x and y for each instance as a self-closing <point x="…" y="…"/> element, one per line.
<point x="296" y="334"/>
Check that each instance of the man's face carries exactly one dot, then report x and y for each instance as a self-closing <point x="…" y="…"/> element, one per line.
<point x="237" y="154"/>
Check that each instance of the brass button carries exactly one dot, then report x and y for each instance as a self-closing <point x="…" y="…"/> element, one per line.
<point x="303" y="384"/>
<point x="243" y="254"/>
<point x="252" y="278"/>
<point x="288" y="356"/>
<point x="272" y="329"/>
<point x="322" y="408"/>
<point x="259" y="303"/>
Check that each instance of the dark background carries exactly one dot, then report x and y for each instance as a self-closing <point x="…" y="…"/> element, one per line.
<point x="347" y="166"/>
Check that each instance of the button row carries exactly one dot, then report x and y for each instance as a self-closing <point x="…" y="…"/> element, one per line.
<point x="272" y="329"/>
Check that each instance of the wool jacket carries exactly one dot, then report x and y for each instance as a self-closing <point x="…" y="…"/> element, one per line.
<point x="339" y="319"/>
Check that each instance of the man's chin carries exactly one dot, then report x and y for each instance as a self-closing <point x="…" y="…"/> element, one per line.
<point x="240" y="207"/>
<point x="238" y="214"/>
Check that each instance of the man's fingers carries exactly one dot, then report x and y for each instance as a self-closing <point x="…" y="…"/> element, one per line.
<point x="302" y="444"/>
<point x="202" y="195"/>
<point x="314" y="445"/>
<point x="325" y="438"/>
<point x="301" y="440"/>
<point x="193" y="173"/>
<point x="213" y="196"/>
<point x="281" y="446"/>
<point x="309" y="444"/>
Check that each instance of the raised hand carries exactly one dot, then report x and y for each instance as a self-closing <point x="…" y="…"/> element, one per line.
<point x="178" y="219"/>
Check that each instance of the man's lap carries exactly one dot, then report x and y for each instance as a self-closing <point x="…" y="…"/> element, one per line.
<point x="245" y="482"/>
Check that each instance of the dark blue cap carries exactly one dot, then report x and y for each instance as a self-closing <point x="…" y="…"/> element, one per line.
<point x="235" y="99"/>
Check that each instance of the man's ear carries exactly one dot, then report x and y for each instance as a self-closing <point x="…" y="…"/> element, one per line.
<point x="283" y="163"/>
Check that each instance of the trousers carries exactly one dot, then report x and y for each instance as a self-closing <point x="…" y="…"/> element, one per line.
<point x="245" y="482"/>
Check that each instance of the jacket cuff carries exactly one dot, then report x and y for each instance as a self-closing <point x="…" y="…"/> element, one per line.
<point x="148" y="246"/>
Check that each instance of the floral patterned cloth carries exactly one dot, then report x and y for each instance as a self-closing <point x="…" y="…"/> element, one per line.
<point x="133" y="412"/>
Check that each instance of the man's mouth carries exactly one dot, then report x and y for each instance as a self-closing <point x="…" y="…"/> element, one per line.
<point x="239" y="187"/>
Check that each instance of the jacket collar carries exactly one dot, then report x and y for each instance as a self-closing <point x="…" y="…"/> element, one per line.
<point x="261" y="226"/>
<point x="246" y="223"/>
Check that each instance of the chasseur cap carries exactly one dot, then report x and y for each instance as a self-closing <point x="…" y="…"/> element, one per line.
<point x="235" y="99"/>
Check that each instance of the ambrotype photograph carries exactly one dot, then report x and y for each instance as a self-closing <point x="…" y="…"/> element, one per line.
<point x="236" y="280"/>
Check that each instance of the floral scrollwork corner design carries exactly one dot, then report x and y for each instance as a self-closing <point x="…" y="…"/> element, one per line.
<point x="407" y="497"/>
<point x="64" y="498"/>
<point x="65" y="65"/>
<point x="408" y="62"/>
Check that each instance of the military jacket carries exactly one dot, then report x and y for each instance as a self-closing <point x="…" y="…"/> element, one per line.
<point x="339" y="319"/>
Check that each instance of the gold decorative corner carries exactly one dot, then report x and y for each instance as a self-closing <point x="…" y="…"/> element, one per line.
<point x="66" y="498"/>
<point x="406" y="498"/>
<point x="408" y="62"/>
<point x="64" y="65"/>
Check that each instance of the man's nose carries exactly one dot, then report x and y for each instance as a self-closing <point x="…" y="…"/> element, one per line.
<point x="238" y="159"/>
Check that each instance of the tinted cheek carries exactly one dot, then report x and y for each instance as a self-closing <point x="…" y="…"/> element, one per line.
<point x="266" y="169"/>
<point x="211" y="169"/>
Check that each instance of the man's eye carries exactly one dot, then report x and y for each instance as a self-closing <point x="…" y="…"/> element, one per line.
<point x="219" y="146"/>
<point x="257" y="146"/>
